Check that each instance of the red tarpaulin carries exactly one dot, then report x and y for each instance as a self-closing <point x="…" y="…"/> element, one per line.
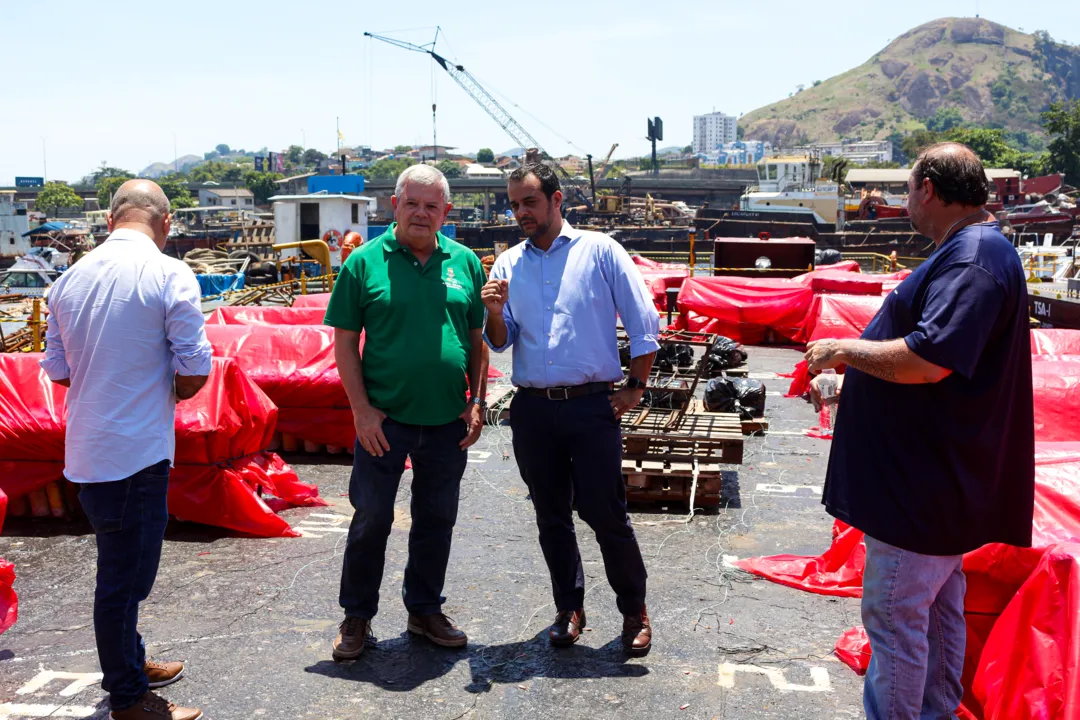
<point x="743" y="309"/>
<point x="268" y="315"/>
<point x="295" y="367"/>
<point x="1055" y="342"/>
<point x="318" y="300"/>
<point x="9" y="601"/>
<point x="661" y="276"/>
<point x="220" y="435"/>
<point x="995" y="573"/>
<point x="1055" y="382"/>
<point x="833" y="316"/>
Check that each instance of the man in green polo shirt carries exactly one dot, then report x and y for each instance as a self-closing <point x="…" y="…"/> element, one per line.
<point x="415" y="294"/>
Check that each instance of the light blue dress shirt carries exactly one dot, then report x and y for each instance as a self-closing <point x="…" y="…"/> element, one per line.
<point x="121" y="321"/>
<point x="563" y="306"/>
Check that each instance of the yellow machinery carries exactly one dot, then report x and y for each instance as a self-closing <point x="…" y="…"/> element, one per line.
<point x="316" y="249"/>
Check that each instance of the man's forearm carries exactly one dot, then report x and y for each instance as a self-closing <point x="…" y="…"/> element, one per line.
<point x="641" y="366"/>
<point x="496" y="330"/>
<point x="351" y="371"/>
<point x="478" y="361"/>
<point x="891" y="360"/>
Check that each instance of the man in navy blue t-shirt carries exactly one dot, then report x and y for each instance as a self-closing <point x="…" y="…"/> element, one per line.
<point x="935" y="454"/>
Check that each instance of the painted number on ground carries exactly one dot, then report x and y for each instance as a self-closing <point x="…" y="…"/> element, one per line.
<point x="819" y="678"/>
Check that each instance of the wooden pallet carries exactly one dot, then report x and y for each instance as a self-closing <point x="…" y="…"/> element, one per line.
<point x="668" y="436"/>
<point x="750" y="426"/>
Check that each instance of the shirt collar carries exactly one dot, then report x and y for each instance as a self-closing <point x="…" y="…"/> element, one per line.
<point x="390" y="243"/>
<point x="568" y="234"/>
<point x="129" y="234"/>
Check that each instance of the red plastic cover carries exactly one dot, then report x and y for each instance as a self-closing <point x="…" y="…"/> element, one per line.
<point x="318" y="300"/>
<point x="1055" y="342"/>
<point x="660" y="276"/>
<point x="220" y="436"/>
<point x="743" y="309"/>
<point x="9" y="601"/>
<point x="268" y="315"/>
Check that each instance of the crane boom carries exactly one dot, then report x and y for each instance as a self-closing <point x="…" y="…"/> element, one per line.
<point x="492" y="106"/>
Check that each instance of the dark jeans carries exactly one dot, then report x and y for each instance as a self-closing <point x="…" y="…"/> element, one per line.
<point x="129" y="518"/>
<point x="438" y="464"/>
<point x="567" y="451"/>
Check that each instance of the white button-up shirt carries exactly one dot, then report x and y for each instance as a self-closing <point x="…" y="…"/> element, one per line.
<point x="121" y="321"/>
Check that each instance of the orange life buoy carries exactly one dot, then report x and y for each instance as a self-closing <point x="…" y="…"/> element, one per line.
<point x="332" y="238"/>
<point x="352" y="241"/>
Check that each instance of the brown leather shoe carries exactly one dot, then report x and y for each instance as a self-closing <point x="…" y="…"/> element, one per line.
<point x="162" y="674"/>
<point x="567" y="627"/>
<point x="637" y="633"/>
<point x="152" y="707"/>
<point x="352" y="638"/>
<point x="438" y="629"/>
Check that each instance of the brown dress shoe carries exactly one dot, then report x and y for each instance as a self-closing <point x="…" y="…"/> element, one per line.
<point x="162" y="674"/>
<point x="637" y="633"/>
<point x="567" y="627"/>
<point x="152" y="707"/>
<point x="438" y="629"/>
<point x="352" y="638"/>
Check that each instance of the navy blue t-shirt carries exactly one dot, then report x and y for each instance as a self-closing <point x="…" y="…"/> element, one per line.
<point x="943" y="468"/>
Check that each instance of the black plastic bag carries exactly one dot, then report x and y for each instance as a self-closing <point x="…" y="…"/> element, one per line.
<point x="751" y="397"/>
<point x="724" y="354"/>
<point x="624" y="353"/>
<point x="674" y="355"/>
<point x="720" y="396"/>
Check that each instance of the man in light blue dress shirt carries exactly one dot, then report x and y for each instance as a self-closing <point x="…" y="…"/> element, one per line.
<point x="556" y="299"/>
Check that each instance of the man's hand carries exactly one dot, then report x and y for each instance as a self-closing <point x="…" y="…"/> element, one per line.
<point x="623" y="400"/>
<point x="495" y="293"/>
<point x="474" y="420"/>
<point x="187" y="386"/>
<point x="823" y="355"/>
<point x="815" y="391"/>
<point x="368" y="422"/>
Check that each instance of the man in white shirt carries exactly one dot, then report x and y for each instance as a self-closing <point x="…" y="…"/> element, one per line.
<point x="126" y="335"/>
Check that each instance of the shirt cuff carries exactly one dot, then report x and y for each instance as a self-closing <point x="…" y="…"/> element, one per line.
<point x="56" y="368"/>
<point x="498" y="348"/>
<point x="196" y="362"/>
<point x="643" y="345"/>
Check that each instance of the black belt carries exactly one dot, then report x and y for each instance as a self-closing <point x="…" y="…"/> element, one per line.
<point x="569" y="392"/>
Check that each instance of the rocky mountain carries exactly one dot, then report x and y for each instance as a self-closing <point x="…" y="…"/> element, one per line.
<point x="993" y="75"/>
<point x="184" y="162"/>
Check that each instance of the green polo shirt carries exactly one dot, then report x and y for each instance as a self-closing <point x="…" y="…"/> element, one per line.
<point x="416" y="320"/>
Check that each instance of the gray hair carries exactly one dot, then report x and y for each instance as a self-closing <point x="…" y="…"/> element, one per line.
<point x="140" y="195"/>
<point x="422" y="174"/>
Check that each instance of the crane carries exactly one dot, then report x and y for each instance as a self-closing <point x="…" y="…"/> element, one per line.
<point x="604" y="165"/>
<point x="492" y="106"/>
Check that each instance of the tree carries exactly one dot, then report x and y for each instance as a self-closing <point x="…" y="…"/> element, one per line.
<point x="386" y="168"/>
<point x="103" y="172"/>
<point x="295" y="154"/>
<point x="485" y="155"/>
<point x="449" y="168"/>
<point x="210" y="170"/>
<point x="313" y="156"/>
<point x="56" y="195"/>
<point x="989" y="144"/>
<point x="918" y="141"/>
<point x="106" y="187"/>
<point x="688" y="149"/>
<point x="1062" y="121"/>
<point x="816" y="83"/>
<point x="402" y="148"/>
<point x="262" y="185"/>
<point x="945" y="119"/>
<point x="740" y="131"/>
<point x="175" y="188"/>
<point x="222" y="149"/>
<point x="234" y="173"/>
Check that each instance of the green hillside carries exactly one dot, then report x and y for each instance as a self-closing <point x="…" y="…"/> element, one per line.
<point x="992" y="75"/>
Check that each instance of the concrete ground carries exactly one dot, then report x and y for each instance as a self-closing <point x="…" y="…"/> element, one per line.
<point x="254" y="618"/>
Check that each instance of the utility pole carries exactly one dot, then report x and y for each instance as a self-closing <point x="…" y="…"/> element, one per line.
<point x="337" y="120"/>
<point x="44" y="162"/>
<point x="592" y="180"/>
<point x="176" y="159"/>
<point x="656" y="132"/>
<point x="434" y="137"/>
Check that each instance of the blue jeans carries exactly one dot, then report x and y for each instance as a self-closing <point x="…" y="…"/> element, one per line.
<point x="438" y="463"/>
<point x="913" y="611"/>
<point x="129" y="518"/>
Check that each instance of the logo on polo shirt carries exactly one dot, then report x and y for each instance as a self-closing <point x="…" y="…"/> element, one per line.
<point x="452" y="282"/>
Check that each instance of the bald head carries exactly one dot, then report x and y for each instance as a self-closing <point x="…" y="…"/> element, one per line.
<point x="139" y="201"/>
<point x="141" y="205"/>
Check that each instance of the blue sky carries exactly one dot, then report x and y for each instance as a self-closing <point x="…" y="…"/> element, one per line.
<point x="116" y="81"/>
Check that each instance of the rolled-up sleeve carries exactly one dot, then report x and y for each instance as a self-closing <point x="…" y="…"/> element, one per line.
<point x="55" y="363"/>
<point x="633" y="301"/>
<point x="185" y="327"/>
<point x="501" y="271"/>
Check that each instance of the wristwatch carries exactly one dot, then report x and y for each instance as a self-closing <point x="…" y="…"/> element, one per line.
<point x="633" y="383"/>
<point x="479" y="401"/>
